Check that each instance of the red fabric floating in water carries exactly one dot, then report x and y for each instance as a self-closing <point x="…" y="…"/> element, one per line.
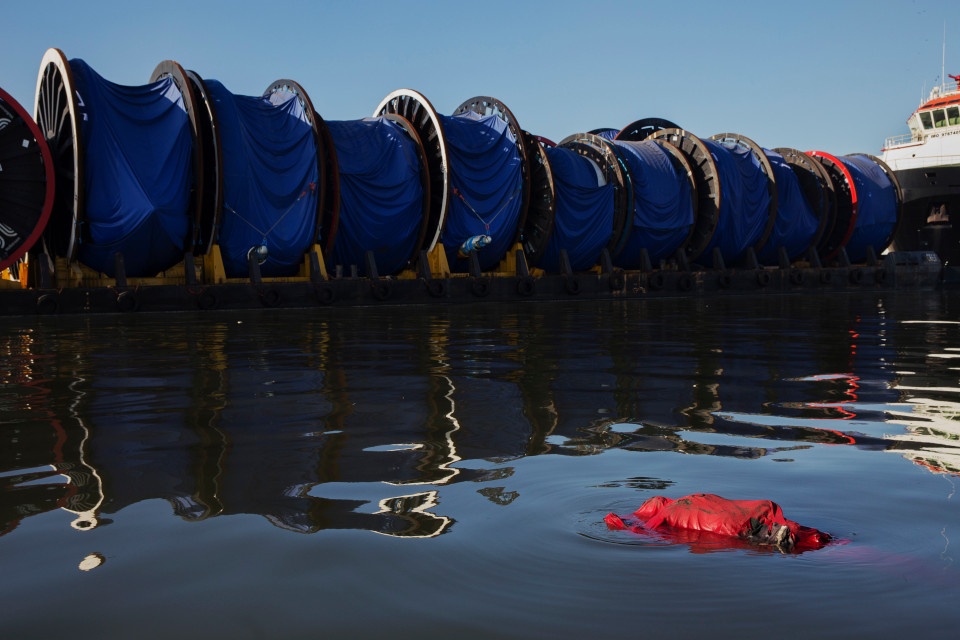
<point x="755" y="521"/>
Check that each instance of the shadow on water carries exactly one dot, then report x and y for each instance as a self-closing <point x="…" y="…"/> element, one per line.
<point x="357" y="418"/>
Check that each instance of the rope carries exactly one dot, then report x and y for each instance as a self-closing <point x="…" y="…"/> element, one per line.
<point x="312" y="187"/>
<point x="486" y="224"/>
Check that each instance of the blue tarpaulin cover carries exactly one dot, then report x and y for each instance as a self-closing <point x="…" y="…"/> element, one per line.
<point x="744" y="202"/>
<point x="607" y="134"/>
<point x="584" y="215"/>
<point x="485" y="171"/>
<point x="381" y="197"/>
<point x="138" y="170"/>
<point x="876" y="207"/>
<point x="269" y="180"/>
<point x="662" y="204"/>
<point x="796" y="225"/>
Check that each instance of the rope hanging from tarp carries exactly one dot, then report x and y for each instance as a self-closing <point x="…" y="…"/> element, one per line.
<point x="583" y="222"/>
<point x="663" y="205"/>
<point x="138" y="159"/>
<point x="796" y="224"/>
<point x="876" y="206"/>
<point x="487" y="183"/>
<point x="381" y="195"/>
<point x="744" y="204"/>
<point x="270" y="172"/>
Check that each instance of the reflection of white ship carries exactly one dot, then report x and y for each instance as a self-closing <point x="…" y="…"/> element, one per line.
<point x="926" y="162"/>
<point x="933" y="437"/>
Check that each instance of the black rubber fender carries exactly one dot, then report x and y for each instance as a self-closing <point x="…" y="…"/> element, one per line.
<point x="526" y="286"/>
<point x="127" y="301"/>
<point x="437" y="287"/>
<point x="724" y="280"/>
<point x="617" y="280"/>
<point x="826" y="277"/>
<point x="208" y="300"/>
<point x="572" y="285"/>
<point x="856" y="276"/>
<point x="325" y="293"/>
<point x="381" y="290"/>
<point x="880" y="276"/>
<point x="796" y="277"/>
<point x="480" y="287"/>
<point x="763" y="277"/>
<point x="48" y="304"/>
<point x="271" y="298"/>
<point x="657" y="281"/>
<point x="685" y="282"/>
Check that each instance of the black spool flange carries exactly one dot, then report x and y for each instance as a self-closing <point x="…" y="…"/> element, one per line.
<point x="817" y="188"/>
<point x="27" y="185"/>
<point x="898" y="194"/>
<point x="681" y="165"/>
<point x="845" y="213"/>
<point x="737" y="140"/>
<point x="425" y="120"/>
<point x="196" y="113"/>
<point x="542" y="208"/>
<point x="424" y="172"/>
<point x="282" y="86"/>
<point x="614" y="170"/>
<point x="486" y="106"/>
<point x="644" y="128"/>
<point x="708" y="187"/>
<point x="212" y="165"/>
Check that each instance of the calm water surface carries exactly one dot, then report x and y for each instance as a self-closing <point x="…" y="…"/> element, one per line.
<point x="409" y="472"/>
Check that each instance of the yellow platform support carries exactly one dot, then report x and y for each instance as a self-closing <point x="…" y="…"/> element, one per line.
<point x="437" y="259"/>
<point x="508" y="266"/>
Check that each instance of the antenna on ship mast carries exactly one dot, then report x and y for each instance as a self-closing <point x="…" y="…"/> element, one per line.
<point x="943" y="60"/>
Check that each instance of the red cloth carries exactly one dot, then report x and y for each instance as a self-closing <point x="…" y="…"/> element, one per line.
<point x="709" y="513"/>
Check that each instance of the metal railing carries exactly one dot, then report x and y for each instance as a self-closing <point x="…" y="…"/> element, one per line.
<point x="901" y="140"/>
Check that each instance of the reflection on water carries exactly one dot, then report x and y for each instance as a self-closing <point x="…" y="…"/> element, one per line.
<point x="220" y="417"/>
<point x="369" y="419"/>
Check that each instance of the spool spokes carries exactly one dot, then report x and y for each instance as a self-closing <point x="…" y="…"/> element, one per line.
<point x="56" y="114"/>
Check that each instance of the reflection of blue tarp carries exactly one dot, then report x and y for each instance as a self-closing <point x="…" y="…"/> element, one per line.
<point x="138" y="168"/>
<point x="796" y="225"/>
<point x="485" y="171"/>
<point x="381" y="198"/>
<point x="744" y="202"/>
<point x="876" y="207"/>
<point x="663" y="208"/>
<point x="269" y="180"/>
<point x="584" y="215"/>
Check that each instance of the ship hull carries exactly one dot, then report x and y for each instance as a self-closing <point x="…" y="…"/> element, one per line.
<point x="931" y="206"/>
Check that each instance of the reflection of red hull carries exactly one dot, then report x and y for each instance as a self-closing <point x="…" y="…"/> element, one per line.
<point x="706" y="519"/>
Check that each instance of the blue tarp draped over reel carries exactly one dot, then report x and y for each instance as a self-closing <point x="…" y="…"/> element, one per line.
<point x="269" y="180"/>
<point x="796" y="224"/>
<point x="607" y="134"/>
<point x="138" y="171"/>
<point x="485" y="170"/>
<point x="662" y="204"/>
<point x="876" y="207"/>
<point x="744" y="202"/>
<point x="381" y="196"/>
<point x="584" y="217"/>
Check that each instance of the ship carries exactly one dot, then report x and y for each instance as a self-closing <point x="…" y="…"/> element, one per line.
<point x="926" y="162"/>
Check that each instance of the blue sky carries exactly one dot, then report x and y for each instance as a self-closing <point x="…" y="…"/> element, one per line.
<point x="835" y="76"/>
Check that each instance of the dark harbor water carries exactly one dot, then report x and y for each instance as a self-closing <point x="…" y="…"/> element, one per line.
<point x="409" y="472"/>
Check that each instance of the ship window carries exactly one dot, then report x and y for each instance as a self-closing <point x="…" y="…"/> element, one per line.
<point x="953" y="115"/>
<point x="926" y="120"/>
<point x="939" y="118"/>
